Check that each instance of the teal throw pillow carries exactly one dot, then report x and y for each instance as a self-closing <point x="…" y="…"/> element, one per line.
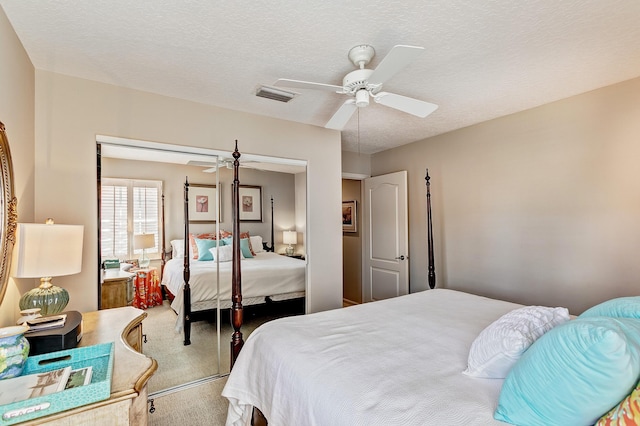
<point x="203" y="248"/>
<point x="573" y="374"/>
<point x="245" y="249"/>
<point x="622" y="307"/>
<point x="244" y="246"/>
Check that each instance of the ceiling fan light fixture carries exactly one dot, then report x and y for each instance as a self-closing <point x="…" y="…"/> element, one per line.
<point x="362" y="98"/>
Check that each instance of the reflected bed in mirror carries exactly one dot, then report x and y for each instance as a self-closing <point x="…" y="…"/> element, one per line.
<point x="281" y="179"/>
<point x="8" y="212"/>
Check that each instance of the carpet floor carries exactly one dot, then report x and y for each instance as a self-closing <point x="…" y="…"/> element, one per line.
<point x="201" y="403"/>
<point x="205" y="406"/>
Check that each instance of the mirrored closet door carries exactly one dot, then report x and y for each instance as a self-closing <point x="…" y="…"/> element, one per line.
<point x="142" y="211"/>
<point x="142" y="246"/>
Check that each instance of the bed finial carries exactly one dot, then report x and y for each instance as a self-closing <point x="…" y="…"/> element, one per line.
<point x="431" y="268"/>
<point x="236" y="153"/>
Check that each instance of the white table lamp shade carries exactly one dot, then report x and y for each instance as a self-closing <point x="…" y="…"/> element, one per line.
<point x="290" y="237"/>
<point x="143" y="241"/>
<point x="44" y="251"/>
<point x="47" y="250"/>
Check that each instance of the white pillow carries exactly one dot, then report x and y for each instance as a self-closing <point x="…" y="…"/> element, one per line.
<point x="256" y="243"/>
<point x="502" y="343"/>
<point x="177" y="248"/>
<point x="224" y="252"/>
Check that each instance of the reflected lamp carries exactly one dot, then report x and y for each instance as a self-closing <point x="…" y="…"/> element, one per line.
<point x="290" y="238"/>
<point x="143" y="241"/>
<point x="46" y="250"/>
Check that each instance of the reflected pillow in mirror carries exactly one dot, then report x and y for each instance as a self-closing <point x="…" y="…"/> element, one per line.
<point x="204" y="245"/>
<point x="224" y="252"/>
<point x="256" y="243"/>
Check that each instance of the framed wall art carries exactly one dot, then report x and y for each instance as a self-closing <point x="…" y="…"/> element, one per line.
<point x="203" y="200"/>
<point x="250" y="203"/>
<point x="349" y="216"/>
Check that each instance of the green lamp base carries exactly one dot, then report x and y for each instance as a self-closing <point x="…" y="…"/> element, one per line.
<point x="51" y="300"/>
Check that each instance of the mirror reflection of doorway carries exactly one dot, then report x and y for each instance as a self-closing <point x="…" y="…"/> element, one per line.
<point x="159" y="174"/>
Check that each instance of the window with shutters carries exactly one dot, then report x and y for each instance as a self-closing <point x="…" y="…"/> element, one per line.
<point x="129" y="207"/>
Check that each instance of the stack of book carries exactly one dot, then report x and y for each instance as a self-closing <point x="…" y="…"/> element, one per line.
<point x="45" y="323"/>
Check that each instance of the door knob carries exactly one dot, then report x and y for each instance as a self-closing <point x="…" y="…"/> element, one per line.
<point x="401" y="257"/>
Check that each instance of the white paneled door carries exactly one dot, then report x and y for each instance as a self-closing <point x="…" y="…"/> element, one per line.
<point x="386" y="254"/>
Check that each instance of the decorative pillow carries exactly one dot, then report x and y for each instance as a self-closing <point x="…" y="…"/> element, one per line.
<point x="225" y="253"/>
<point x="203" y="248"/>
<point x="244" y="246"/>
<point x="256" y="243"/>
<point x="573" y="373"/>
<point x="502" y="343"/>
<point x="192" y="241"/>
<point x="622" y="307"/>
<point x="225" y="234"/>
<point x="248" y="237"/>
<point x="177" y="248"/>
<point x="627" y="413"/>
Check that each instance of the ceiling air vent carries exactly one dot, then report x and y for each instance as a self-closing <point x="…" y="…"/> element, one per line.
<point x="275" y="94"/>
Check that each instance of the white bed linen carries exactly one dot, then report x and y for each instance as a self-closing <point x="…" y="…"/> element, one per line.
<point x="393" y="362"/>
<point x="266" y="274"/>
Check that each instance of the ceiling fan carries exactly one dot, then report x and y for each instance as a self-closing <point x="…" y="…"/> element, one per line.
<point x="363" y="84"/>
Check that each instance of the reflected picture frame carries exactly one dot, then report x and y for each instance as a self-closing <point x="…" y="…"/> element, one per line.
<point x="203" y="200"/>
<point x="250" y="203"/>
<point x="349" y="217"/>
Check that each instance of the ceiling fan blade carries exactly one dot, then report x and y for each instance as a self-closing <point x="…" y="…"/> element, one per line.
<point x="342" y="115"/>
<point x="405" y="104"/>
<point x="398" y="58"/>
<point x="298" y="84"/>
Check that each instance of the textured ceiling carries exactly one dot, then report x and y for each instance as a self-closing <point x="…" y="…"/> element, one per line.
<point x="482" y="59"/>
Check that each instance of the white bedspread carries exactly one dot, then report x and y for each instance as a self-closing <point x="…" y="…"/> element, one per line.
<point x="392" y="362"/>
<point x="266" y="274"/>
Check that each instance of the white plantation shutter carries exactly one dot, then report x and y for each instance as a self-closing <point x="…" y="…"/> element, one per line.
<point x="129" y="207"/>
<point x="113" y="224"/>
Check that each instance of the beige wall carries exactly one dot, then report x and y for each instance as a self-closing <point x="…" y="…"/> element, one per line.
<point x="70" y="112"/>
<point x="279" y="185"/>
<point x="352" y="245"/>
<point x="17" y="90"/>
<point x="539" y="207"/>
<point x="354" y="164"/>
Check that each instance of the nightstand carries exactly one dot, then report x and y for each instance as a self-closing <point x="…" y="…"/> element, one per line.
<point x="131" y="372"/>
<point x="147" y="288"/>
<point x="116" y="289"/>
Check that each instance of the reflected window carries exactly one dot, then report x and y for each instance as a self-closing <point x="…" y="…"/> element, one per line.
<point x="129" y="207"/>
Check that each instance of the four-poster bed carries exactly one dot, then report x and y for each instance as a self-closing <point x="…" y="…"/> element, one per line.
<point x="268" y="278"/>
<point x="408" y="360"/>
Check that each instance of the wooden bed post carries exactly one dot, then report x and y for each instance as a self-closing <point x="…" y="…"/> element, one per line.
<point x="164" y="247"/>
<point x="187" y="271"/>
<point x="432" y="269"/>
<point x="236" y="279"/>
<point x="273" y="241"/>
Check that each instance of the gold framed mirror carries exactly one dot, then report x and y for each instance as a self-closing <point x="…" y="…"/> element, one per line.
<point x="8" y="211"/>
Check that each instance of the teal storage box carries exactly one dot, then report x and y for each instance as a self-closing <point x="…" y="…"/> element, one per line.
<point x="99" y="357"/>
<point x="111" y="264"/>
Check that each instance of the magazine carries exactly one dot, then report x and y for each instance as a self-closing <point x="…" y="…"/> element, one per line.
<point x="33" y="385"/>
<point x="79" y="377"/>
